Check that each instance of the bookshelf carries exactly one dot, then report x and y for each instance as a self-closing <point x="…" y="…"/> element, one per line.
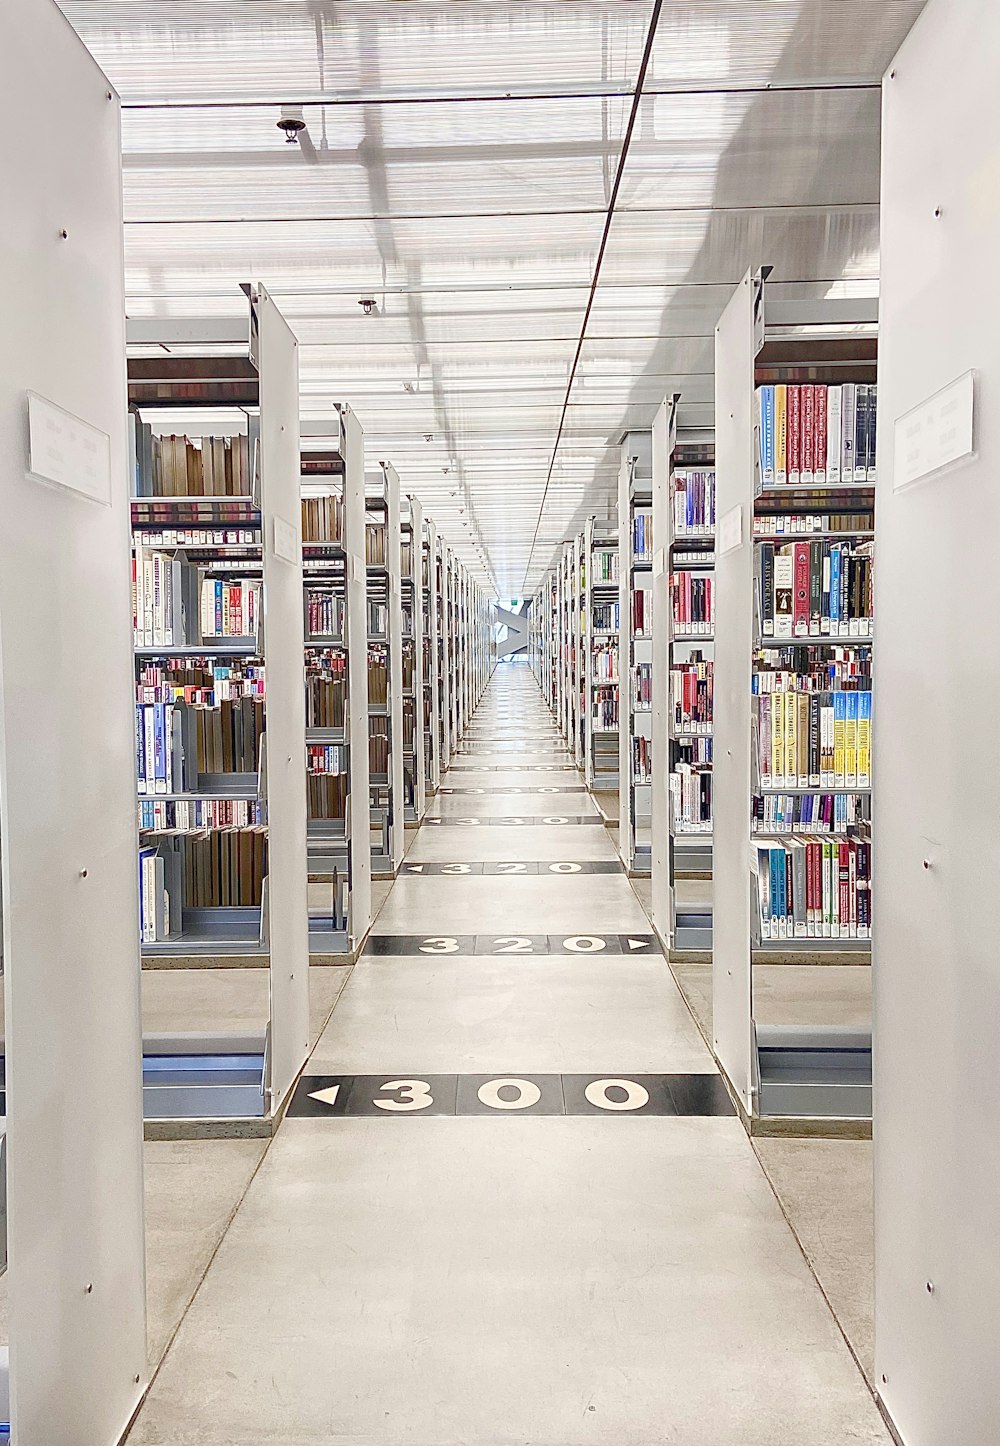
<point x="414" y="660"/>
<point x="385" y="669"/>
<point x="335" y="593"/>
<point x="73" y="1206"/>
<point x="635" y="651"/>
<point x="793" y="647"/>
<point x="445" y="745"/>
<point x="217" y="609"/>
<point x="431" y="684"/>
<point x="603" y="609"/>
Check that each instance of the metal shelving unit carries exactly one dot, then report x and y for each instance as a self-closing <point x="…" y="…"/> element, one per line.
<point x="635" y="651"/>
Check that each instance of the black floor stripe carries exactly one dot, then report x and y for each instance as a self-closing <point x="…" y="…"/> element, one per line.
<point x="532" y="867"/>
<point x="613" y="1095"/>
<point x="387" y="946"/>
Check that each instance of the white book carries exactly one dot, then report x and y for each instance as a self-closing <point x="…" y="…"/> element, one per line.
<point x="834" y="435"/>
<point x="847" y="422"/>
<point x="150" y="737"/>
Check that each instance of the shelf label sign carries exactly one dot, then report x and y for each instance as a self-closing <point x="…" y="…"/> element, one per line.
<point x="936" y="434"/>
<point x="730" y="529"/>
<point x="67" y="451"/>
<point x="286" y="542"/>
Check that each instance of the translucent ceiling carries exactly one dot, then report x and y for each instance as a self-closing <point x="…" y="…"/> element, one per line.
<point x="457" y="167"/>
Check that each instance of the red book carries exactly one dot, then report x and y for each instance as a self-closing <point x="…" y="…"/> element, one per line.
<point x="844" y="878"/>
<point x="808" y="433"/>
<point x="800" y="590"/>
<point x="793" y="431"/>
<point x="819" y="460"/>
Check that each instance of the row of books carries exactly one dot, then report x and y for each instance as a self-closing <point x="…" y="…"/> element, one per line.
<point x="229" y="609"/>
<point x="783" y="524"/>
<point x="200" y="814"/>
<point x="642" y="762"/>
<point x="324" y="613"/>
<point x="378" y="619"/>
<point x="642" y="612"/>
<point x="201" y="538"/>
<point x="326" y="758"/>
<point x="406" y="557"/>
<point x="813" y="740"/>
<point x="642" y="537"/>
<point x="605" y="617"/>
<point x="604" y="565"/>
<point x="326" y="795"/>
<point x="691" y="798"/>
<point x="378" y="677"/>
<point x="198" y="680"/>
<point x="156" y="921"/>
<point x="605" y="662"/>
<point x="326" y="689"/>
<point x="815" y="588"/>
<point x="224" y="870"/>
<point x="323" y="519"/>
<point x="692" y="602"/>
<point x="642" y="687"/>
<point x="694" y="504"/>
<point x="835" y="813"/>
<point x="378" y="746"/>
<point x="173" y="466"/>
<point x="605" y="711"/>
<point x="809" y="668"/>
<point x="408" y="666"/>
<point x="816" y="435"/>
<point x="176" y="742"/>
<point x="813" y="889"/>
<point x="691" y="696"/>
<point x="375" y="548"/>
<point x="695" y="752"/>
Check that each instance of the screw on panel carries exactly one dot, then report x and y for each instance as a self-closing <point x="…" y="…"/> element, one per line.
<point x="64" y="234"/>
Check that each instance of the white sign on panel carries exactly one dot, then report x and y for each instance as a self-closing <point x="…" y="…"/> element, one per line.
<point x="68" y="451"/>
<point x="936" y="434"/>
<point x="286" y="542"/>
<point x="730" y="529"/>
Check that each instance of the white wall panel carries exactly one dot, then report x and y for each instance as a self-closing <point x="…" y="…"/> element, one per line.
<point x="285" y="711"/>
<point x="937" y="787"/>
<point x="734" y="437"/>
<point x="67" y="766"/>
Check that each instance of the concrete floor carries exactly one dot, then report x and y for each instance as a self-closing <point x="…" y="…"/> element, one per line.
<point x="430" y="1281"/>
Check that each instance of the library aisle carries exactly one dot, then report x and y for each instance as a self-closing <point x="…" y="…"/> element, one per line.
<point x="510" y="1203"/>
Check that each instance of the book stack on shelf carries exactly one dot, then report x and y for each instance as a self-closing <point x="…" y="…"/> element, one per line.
<point x="429" y="652"/>
<point x="383" y="554"/>
<point x="813" y="665"/>
<point x="635" y="648"/>
<point x="602" y="662"/>
<point x="200" y="693"/>
<point x="411" y="552"/>
<point x="692" y="544"/>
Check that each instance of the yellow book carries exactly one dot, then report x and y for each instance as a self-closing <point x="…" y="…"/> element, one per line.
<point x="791" y="751"/>
<point x="851" y="740"/>
<point x="777" y="738"/>
<point x="864" y="740"/>
<point x="780" y="434"/>
<point x="839" y="738"/>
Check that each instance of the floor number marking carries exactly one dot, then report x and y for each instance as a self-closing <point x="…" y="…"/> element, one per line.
<point x="635" y="1095"/>
<point x="440" y="944"/>
<point x="564" y="868"/>
<point x="457" y="869"/>
<point x="413" y="1094"/>
<point x="513" y="944"/>
<point x="585" y="944"/>
<point x="528" y="1094"/>
<point x="512" y="868"/>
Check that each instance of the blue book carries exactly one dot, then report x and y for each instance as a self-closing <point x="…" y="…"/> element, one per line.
<point x="218" y="607"/>
<point x="689" y="502"/>
<point x="775" y="874"/>
<point x="834" y="590"/>
<point x="160" y="747"/>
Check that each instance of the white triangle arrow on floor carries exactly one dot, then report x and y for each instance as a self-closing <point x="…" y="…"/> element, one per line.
<point x="638" y="943"/>
<point x="327" y="1096"/>
<point x="415" y="868"/>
